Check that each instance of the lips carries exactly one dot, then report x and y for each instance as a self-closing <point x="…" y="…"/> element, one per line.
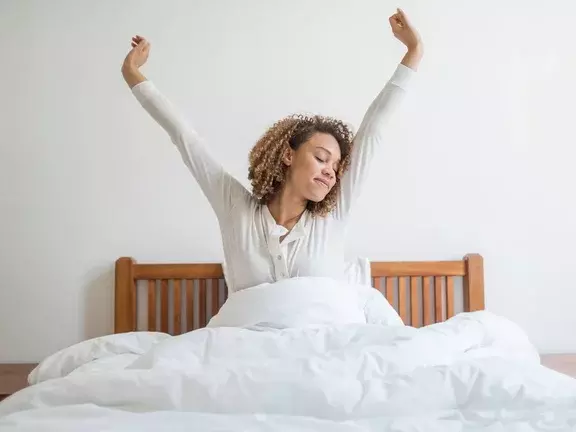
<point x="322" y="182"/>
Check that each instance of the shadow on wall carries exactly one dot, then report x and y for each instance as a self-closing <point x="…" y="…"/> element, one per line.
<point x="99" y="302"/>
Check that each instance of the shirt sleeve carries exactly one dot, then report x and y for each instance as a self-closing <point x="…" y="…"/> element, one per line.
<point x="219" y="187"/>
<point x="370" y="137"/>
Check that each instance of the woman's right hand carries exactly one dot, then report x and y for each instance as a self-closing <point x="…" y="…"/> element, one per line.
<point x="138" y="55"/>
<point x="134" y="60"/>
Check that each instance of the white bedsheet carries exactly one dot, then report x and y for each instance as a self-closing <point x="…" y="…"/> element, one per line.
<point x="477" y="371"/>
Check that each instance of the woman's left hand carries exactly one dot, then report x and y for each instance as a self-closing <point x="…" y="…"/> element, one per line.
<point x="404" y="31"/>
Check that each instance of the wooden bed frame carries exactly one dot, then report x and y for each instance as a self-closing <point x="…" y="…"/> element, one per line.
<point x="183" y="297"/>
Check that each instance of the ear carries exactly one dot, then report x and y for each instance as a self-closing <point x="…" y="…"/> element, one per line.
<point x="288" y="156"/>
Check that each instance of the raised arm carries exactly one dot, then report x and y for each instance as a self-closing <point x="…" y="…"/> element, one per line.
<point x="371" y="133"/>
<point x="218" y="186"/>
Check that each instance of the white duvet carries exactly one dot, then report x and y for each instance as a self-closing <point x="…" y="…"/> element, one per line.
<point x="476" y="371"/>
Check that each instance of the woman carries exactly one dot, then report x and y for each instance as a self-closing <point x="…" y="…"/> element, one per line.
<point x="306" y="173"/>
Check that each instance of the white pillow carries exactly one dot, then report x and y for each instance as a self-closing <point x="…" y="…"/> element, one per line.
<point x="377" y="309"/>
<point x="295" y="302"/>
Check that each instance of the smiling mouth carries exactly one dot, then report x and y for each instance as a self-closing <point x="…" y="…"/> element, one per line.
<point x="323" y="183"/>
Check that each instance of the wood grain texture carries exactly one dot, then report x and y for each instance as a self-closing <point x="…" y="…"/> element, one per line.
<point x="390" y="290"/>
<point x="202" y="303"/>
<point x="124" y="296"/>
<point x="189" y="305"/>
<point x="215" y="296"/>
<point x="177" y="311"/>
<point x="474" y="283"/>
<point x="164" y="326"/>
<point x="427" y="300"/>
<point x="178" y="271"/>
<point x="449" y="297"/>
<point x="417" y="268"/>
<point x="415" y="304"/>
<point x="438" y="299"/>
<point x="402" y="308"/>
<point x="152" y="303"/>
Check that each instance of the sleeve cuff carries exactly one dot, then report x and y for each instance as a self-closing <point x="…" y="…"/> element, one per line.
<point x="402" y="76"/>
<point x="143" y="89"/>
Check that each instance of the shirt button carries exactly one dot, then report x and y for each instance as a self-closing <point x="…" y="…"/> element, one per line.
<point x="282" y="275"/>
<point x="279" y="257"/>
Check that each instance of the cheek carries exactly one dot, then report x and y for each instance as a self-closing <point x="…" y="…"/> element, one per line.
<point x="305" y="168"/>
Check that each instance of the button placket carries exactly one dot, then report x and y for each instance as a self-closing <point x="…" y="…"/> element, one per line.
<point x="281" y="268"/>
<point x="278" y="260"/>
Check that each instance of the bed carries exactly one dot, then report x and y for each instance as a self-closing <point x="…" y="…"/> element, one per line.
<point x="445" y="363"/>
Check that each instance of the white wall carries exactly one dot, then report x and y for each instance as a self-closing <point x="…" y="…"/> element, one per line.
<point x="479" y="159"/>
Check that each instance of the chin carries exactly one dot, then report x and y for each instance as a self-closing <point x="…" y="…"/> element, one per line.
<point x="316" y="197"/>
<point x="317" y="193"/>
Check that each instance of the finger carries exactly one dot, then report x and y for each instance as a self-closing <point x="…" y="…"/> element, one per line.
<point x="400" y="22"/>
<point x="396" y="26"/>
<point x="403" y="16"/>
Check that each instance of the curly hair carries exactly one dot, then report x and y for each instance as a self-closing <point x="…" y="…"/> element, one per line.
<point x="267" y="171"/>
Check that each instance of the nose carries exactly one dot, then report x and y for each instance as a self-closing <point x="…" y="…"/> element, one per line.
<point x="328" y="172"/>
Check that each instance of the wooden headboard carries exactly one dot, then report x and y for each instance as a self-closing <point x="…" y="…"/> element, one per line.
<point x="176" y="298"/>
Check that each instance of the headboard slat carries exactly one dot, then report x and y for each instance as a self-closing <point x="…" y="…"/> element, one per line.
<point x="402" y="307"/>
<point x="177" y="321"/>
<point x="427" y="300"/>
<point x="164" y="310"/>
<point x="449" y="296"/>
<point x="202" y="304"/>
<point x="414" y="303"/>
<point x="152" y="305"/>
<point x="439" y="298"/>
<point x="215" y="296"/>
<point x="390" y="289"/>
<point x="189" y="304"/>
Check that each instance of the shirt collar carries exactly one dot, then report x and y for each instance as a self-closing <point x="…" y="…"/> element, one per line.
<point x="275" y="230"/>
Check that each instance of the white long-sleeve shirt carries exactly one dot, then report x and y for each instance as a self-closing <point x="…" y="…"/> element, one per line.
<point x="253" y="253"/>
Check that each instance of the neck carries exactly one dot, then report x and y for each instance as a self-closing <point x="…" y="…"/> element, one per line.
<point x="286" y="208"/>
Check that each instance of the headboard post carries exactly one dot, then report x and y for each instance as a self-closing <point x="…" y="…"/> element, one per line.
<point x="474" y="283"/>
<point x="125" y="296"/>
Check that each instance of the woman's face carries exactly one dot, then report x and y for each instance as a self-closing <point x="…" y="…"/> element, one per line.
<point x="313" y="166"/>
